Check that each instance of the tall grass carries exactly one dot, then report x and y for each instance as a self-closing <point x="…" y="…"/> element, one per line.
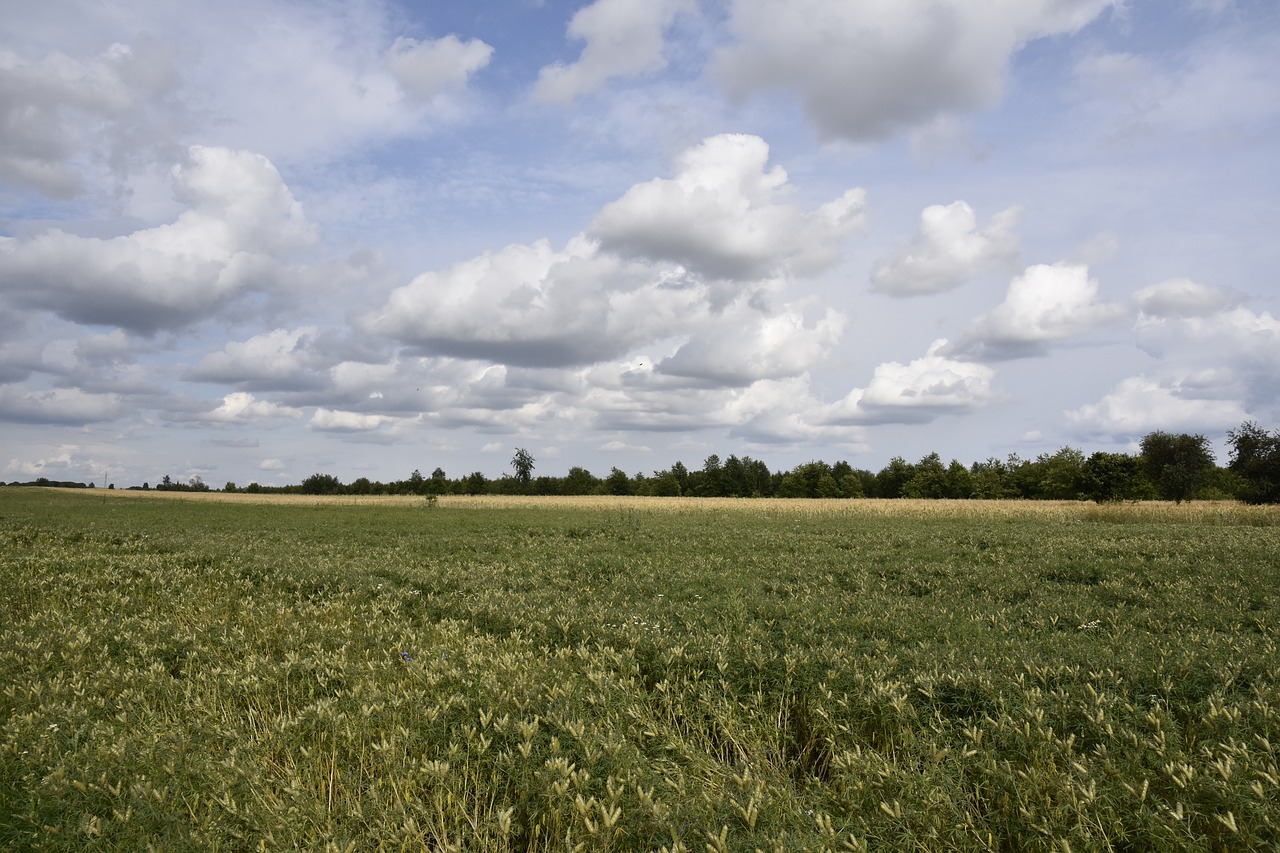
<point x="635" y="674"/>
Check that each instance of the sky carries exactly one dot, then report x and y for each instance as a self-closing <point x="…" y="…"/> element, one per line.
<point x="254" y="240"/>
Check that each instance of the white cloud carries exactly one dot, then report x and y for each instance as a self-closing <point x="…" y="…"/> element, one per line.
<point x="948" y="250"/>
<point x="866" y="69"/>
<point x="65" y="406"/>
<point x="56" y="111"/>
<point x="531" y="305"/>
<point x="619" y="446"/>
<point x="309" y="83"/>
<point x="111" y="347"/>
<point x="1236" y="333"/>
<point x="1139" y="405"/>
<point x="338" y="421"/>
<point x="741" y="345"/>
<point x="638" y="280"/>
<point x="277" y="359"/>
<point x="271" y="464"/>
<point x="1222" y="87"/>
<point x="623" y="38"/>
<point x="240" y="220"/>
<point x="1046" y="304"/>
<point x="917" y="392"/>
<point x="1182" y="297"/>
<point x="720" y="217"/>
<point x="56" y="467"/>
<point x="427" y="68"/>
<point x="1242" y="344"/>
<point x="243" y="407"/>
<point x="783" y="412"/>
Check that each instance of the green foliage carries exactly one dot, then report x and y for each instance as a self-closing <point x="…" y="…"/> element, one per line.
<point x="522" y="464"/>
<point x="1115" y="477"/>
<point x="580" y="481"/>
<point x="326" y="484"/>
<point x="1061" y="476"/>
<point x="617" y="483"/>
<point x="1255" y="458"/>
<point x="1177" y="465"/>
<point x="891" y="480"/>
<point x="200" y="675"/>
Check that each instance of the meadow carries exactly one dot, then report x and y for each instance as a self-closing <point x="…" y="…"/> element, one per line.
<point x="238" y="672"/>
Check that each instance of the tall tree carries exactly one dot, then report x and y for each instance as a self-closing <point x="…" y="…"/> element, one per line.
<point x="1177" y="465"/>
<point x="892" y="477"/>
<point x="618" y="483"/>
<point x="1255" y="456"/>
<point x="1114" y="477"/>
<point x="1060" y="476"/>
<point x="522" y="463"/>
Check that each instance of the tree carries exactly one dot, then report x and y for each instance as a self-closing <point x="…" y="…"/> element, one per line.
<point x="1061" y="475"/>
<point x="1255" y="456"/>
<point x="522" y="463"/>
<point x="991" y="479"/>
<point x="1114" y="477"/>
<point x="892" y="477"/>
<point x="928" y="480"/>
<point x="321" y="484"/>
<point x="664" y="484"/>
<point x="1177" y="465"/>
<point x="711" y="484"/>
<point x="580" y="481"/>
<point x="618" y="483"/>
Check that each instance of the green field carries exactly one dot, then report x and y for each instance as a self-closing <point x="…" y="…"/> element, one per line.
<point x="636" y="675"/>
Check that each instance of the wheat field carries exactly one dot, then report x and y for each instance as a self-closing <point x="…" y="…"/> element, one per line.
<point x="233" y="672"/>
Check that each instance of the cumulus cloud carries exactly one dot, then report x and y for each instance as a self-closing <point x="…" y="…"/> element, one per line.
<point x="623" y="38"/>
<point x="531" y="305"/>
<point x="1183" y="297"/>
<point x="240" y="219"/>
<point x="1047" y="304"/>
<point x="243" y="407"/>
<point x="276" y="360"/>
<point x="61" y="406"/>
<point x="917" y="392"/>
<point x="742" y="345"/>
<point x="1140" y="404"/>
<point x="330" y="420"/>
<point x="56" y="110"/>
<point x="864" y="70"/>
<point x="427" y="68"/>
<point x="620" y="446"/>
<point x="720" y="217"/>
<point x="782" y="412"/>
<point x="650" y="271"/>
<point x="1243" y="344"/>
<point x="949" y="249"/>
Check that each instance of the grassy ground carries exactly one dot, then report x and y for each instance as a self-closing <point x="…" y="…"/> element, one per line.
<point x="237" y="672"/>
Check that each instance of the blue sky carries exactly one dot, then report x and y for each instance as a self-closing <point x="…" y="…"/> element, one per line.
<point x="252" y="241"/>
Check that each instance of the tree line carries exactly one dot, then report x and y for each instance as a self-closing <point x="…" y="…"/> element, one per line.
<point x="1177" y="467"/>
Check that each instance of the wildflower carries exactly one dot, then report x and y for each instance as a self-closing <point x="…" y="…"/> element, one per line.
<point x="405" y="657"/>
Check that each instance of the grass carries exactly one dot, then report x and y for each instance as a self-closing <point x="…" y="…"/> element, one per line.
<point x="242" y="672"/>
